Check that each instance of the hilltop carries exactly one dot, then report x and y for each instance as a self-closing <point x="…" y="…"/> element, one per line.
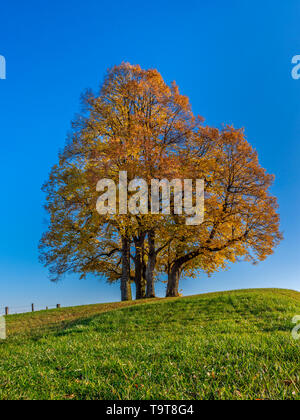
<point x="215" y="346"/>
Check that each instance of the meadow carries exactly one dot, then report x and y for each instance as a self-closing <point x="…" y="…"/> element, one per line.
<point x="227" y="345"/>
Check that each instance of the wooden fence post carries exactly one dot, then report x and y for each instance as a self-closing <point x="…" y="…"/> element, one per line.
<point x="58" y="305"/>
<point x="32" y="307"/>
<point x="6" y="310"/>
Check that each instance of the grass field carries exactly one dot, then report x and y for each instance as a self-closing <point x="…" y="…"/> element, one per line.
<point x="235" y="345"/>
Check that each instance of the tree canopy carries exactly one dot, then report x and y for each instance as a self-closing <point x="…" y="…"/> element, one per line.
<point x="140" y="125"/>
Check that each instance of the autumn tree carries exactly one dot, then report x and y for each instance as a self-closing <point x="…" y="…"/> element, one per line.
<point x="137" y="123"/>
<point x="241" y="219"/>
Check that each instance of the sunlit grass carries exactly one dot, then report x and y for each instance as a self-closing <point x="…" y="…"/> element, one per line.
<point x="216" y="346"/>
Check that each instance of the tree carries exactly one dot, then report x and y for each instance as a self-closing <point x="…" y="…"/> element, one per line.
<point x="139" y="125"/>
<point x="136" y="124"/>
<point x="241" y="219"/>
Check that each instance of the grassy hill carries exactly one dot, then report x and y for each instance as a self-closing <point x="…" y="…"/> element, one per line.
<point x="215" y="346"/>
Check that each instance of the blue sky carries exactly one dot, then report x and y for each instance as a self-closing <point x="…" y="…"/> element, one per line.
<point x="233" y="59"/>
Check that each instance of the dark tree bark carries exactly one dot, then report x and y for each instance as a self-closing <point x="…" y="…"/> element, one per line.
<point x="177" y="266"/>
<point x="173" y="281"/>
<point x="125" y="278"/>
<point x="175" y="273"/>
<point x="140" y="281"/>
<point x="151" y="265"/>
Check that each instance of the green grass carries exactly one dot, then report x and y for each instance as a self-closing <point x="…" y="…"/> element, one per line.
<point x="231" y="345"/>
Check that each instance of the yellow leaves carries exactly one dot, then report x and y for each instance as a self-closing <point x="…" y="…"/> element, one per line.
<point x="139" y="124"/>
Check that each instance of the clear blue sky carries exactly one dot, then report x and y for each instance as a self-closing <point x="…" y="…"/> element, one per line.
<point x="232" y="58"/>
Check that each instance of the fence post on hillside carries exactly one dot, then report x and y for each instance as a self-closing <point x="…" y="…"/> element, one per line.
<point x="58" y="306"/>
<point x="32" y="307"/>
<point x="6" y="310"/>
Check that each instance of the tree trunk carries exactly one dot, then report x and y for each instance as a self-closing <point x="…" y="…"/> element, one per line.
<point x="151" y="265"/>
<point x="125" y="279"/>
<point x="173" y="281"/>
<point x="175" y="273"/>
<point x="140" y="282"/>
